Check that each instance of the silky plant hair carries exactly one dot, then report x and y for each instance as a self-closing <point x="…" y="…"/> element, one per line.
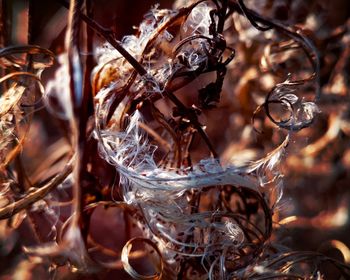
<point x="140" y="118"/>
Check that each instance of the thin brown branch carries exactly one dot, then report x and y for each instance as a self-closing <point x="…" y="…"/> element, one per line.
<point x="34" y="196"/>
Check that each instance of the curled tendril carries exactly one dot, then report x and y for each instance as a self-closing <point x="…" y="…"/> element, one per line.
<point x="124" y="141"/>
<point x="252" y="18"/>
<point x="129" y="269"/>
<point x="40" y="57"/>
<point x="212" y="217"/>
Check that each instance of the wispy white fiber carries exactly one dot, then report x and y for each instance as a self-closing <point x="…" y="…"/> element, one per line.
<point x="57" y="90"/>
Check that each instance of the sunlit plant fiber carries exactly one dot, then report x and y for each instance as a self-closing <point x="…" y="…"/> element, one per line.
<point x="138" y="114"/>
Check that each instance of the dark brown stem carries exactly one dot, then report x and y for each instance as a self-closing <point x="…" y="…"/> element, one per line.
<point x="32" y="197"/>
<point x="296" y="36"/>
<point x="109" y="37"/>
<point x="222" y="16"/>
<point x="3" y="27"/>
<point x="192" y="117"/>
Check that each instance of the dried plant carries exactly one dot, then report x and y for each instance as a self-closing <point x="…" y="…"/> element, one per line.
<point x="185" y="131"/>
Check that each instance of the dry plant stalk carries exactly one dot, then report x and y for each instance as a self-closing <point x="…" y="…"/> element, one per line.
<point x="138" y="137"/>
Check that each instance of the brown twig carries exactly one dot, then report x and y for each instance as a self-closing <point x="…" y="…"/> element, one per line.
<point x="32" y="197"/>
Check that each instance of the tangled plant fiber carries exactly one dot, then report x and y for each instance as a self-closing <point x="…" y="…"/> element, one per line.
<point x="138" y="137"/>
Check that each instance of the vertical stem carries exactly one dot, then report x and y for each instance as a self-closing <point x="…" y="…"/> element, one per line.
<point x="30" y="9"/>
<point x="3" y="38"/>
<point x="109" y="37"/>
<point x="86" y="110"/>
<point x="3" y="25"/>
<point x="75" y="86"/>
<point x="222" y="16"/>
<point x="80" y="221"/>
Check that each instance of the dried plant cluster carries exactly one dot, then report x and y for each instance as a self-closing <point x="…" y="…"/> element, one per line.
<point x="185" y="132"/>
